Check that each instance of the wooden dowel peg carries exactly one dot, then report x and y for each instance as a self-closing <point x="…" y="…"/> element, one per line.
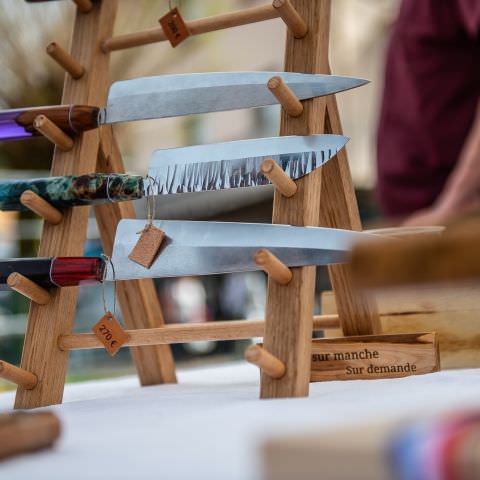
<point x="268" y="363"/>
<point x="65" y="60"/>
<point x="41" y="207"/>
<point x="291" y="17"/>
<point x="271" y="265"/>
<point x="23" y="432"/>
<point x="84" y="6"/>
<point x="287" y="99"/>
<point x="19" y="376"/>
<point x="19" y="283"/>
<point x="282" y="182"/>
<point x="49" y="130"/>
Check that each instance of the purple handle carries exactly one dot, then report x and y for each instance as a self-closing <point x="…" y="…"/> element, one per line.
<point x="9" y="128"/>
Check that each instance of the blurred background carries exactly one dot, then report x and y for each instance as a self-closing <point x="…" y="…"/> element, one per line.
<point x="359" y="34"/>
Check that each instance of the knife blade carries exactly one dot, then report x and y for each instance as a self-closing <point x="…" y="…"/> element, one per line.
<point x="191" y="248"/>
<point x="204" y="248"/>
<point x="171" y="96"/>
<point x="178" y="170"/>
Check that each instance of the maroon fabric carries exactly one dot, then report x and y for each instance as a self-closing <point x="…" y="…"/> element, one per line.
<point x="432" y="87"/>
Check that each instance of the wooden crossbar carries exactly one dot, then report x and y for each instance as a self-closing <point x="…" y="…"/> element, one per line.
<point x="279" y="9"/>
<point x="185" y="333"/>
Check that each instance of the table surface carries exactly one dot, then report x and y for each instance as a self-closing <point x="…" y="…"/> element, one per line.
<point x="212" y="424"/>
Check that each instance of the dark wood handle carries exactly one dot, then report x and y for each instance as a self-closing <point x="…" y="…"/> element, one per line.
<point x="71" y="119"/>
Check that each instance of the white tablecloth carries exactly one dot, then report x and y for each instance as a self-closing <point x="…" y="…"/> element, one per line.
<point x="211" y="424"/>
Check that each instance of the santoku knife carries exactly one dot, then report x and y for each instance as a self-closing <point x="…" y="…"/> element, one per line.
<point x="178" y="170"/>
<point x="171" y="96"/>
<point x="192" y="248"/>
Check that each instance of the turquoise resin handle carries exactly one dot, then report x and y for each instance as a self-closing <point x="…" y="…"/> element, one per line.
<point x="64" y="192"/>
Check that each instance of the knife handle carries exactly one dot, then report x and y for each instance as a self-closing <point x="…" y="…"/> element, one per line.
<point x="72" y="119"/>
<point x="73" y="271"/>
<point x="54" y="272"/>
<point x="65" y="192"/>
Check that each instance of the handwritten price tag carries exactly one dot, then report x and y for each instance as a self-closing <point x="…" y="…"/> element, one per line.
<point x="174" y="27"/>
<point x="110" y="333"/>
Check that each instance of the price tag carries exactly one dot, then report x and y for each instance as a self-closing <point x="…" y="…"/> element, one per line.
<point x="110" y="333"/>
<point x="147" y="247"/>
<point x="174" y="27"/>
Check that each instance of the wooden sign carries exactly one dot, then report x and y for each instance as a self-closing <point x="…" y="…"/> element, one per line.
<point x="374" y="356"/>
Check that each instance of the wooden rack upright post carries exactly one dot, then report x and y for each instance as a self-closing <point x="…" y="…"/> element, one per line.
<point x="324" y="197"/>
<point x="138" y="300"/>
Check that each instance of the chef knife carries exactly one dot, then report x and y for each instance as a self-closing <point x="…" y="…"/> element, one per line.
<point x="171" y="96"/>
<point x="192" y="248"/>
<point x="179" y="170"/>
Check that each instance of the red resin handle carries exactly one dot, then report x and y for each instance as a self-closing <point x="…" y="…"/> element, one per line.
<point x="71" y="271"/>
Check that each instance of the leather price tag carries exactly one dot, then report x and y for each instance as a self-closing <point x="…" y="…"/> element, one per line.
<point x="147" y="247"/>
<point x="110" y="333"/>
<point x="174" y="27"/>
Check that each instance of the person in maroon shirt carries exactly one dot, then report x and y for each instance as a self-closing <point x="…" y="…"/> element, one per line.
<point x="428" y="149"/>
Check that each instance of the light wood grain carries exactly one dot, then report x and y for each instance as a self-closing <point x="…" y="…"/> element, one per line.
<point x="450" y="257"/>
<point x="294" y="21"/>
<point x="138" y="298"/>
<point x="288" y="319"/>
<point x="280" y="180"/>
<point x="339" y="209"/>
<point x="406" y="232"/>
<point x="23" y="285"/>
<point x="23" y="432"/>
<point x="196" y="27"/>
<point x="374" y="356"/>
<point x="264" y="360"/>
<point x="273" y="267"/>
<point x="46" y="323"/>
<point x="65" y="60"/>
<point x="41" y="207"/>
<point x="285" y="96"/>
<point x="453" y="312"/>
<point x="17" y="375"/>
<point x="186" y="333"/>
<point x="49" y="130"/>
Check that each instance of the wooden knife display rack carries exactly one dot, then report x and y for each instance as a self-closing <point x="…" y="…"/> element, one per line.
<point x="324" y="197"/>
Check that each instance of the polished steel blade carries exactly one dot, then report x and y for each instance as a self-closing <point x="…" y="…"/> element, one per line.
<point x="237" y="164"/>
<point x="202" y="248"/>
<point x="176" y="95"/>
